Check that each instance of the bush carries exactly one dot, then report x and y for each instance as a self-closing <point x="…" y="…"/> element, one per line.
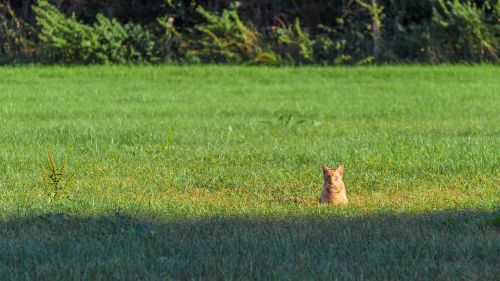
<point x="329" y="48"/>
<point x="292" y="43"/>
<point x="63" y="39"/>
<point x="140" y="44"/>
<point x="463" y="31"/>
<point x="225" y="38"/>
<point x="15" y="36"/>
<point x="110" y="44"/>
<point x="255" y="32"/>
<point x="169" y="40"/>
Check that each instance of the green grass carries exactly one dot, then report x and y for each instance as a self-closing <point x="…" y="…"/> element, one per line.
<point x="179" y="173"/>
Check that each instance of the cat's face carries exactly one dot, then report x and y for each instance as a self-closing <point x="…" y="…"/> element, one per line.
<point x="332" y="176"/>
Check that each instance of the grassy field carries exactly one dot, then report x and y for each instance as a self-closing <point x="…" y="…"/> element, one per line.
<point x="180" y="173"/>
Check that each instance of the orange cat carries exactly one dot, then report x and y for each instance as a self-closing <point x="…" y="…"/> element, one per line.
<point x="333" y="188"/>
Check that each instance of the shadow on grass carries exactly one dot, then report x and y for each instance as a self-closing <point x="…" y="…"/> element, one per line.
<point x="436" y="246"/>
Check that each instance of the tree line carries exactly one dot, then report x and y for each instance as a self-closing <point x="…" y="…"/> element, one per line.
<point x="271" y="32"/>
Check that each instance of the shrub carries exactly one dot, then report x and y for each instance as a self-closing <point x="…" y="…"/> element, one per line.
<point x="256" y="32"/>
<point x="376" y="16"/>
<point x="330" y="48"/>
<point x="140" y="44"/>
<point x="63" y="39"/>
<point x="169" y="40"/>
<point x="293" y="43"/>
<point x="110" y="37"/>
<point x="15" y="36"/>
<point x="67" y="40"/>
<point x="463" y="31"/>
<point x="225" y="38"/>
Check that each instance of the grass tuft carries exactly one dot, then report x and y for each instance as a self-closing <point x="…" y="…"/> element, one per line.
<point x="51" y="178"/>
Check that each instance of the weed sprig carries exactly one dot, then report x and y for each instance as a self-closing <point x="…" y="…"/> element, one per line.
<point x="52" y="178"/>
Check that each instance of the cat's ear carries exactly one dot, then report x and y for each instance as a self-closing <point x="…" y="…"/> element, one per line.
<point x="325" y="169"/>
<point x="340" y="169"/>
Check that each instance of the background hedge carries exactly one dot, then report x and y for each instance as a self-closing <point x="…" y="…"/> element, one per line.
<point x="251" y="31"/>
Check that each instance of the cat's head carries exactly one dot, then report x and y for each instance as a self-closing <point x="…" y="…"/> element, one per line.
<point x="332" y="176"/>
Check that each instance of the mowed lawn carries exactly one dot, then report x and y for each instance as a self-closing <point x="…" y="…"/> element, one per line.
<point x="185" y="173"/>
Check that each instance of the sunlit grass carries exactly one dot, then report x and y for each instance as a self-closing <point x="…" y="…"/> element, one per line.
<point x="195" y="144"/>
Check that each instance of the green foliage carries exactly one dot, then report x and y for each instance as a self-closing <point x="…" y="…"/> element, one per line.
<point x="225" y="38"/>
<point x="63" y="39"/>
<point x="349" y="40"/>
<point x="330" y="47"/>
<point x="140" y="44"/>
<point x="464" y="30"/>
<point x="376" y="14"/>
<point x="406" y="32"/>
<point x="253" y="32"/>
<point x="168" y="42"/>
<point x="293" y="43"/>
<point x="109" y="46"/>
<point x="15" y="36"/>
